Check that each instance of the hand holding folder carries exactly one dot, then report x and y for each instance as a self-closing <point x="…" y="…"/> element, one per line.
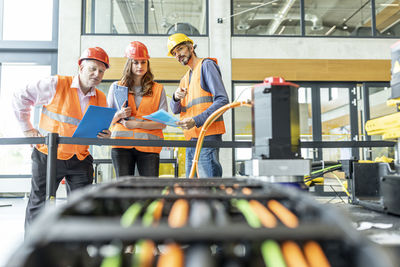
<point x="164" y="117"/>
<point x="94" y="121"/>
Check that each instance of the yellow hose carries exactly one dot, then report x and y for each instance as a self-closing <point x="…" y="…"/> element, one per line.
<point x="213" y="117"/>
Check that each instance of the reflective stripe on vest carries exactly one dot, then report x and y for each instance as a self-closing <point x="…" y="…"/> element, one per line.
<point x="60" y="117"/>
<point x="135" y="135"/>
<point x="199" y="100"/>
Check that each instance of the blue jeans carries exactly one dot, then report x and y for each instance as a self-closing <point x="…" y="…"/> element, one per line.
<point x="209" y="165"/>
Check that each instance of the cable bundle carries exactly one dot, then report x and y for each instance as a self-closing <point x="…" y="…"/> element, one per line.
<point x="193" y="222"/>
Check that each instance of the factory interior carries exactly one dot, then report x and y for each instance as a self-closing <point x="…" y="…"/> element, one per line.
<point x="310" y="154"/>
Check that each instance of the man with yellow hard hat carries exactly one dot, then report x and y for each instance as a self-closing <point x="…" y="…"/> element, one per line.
<point x="200" y="93"/>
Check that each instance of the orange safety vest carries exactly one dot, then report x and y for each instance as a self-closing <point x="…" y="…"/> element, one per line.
<point x="196" y="101"/>
<point x="148" y="105"/>
<point x="63" y="115"/>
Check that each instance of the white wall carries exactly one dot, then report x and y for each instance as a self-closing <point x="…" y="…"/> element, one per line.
<point x="69" y="39"/>
<point x="311" y="48"/>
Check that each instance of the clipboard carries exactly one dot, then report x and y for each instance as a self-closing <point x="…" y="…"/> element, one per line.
<point x="120" y="95"/>
<point x="94" y="121"/>
<point x="164" y="117"/>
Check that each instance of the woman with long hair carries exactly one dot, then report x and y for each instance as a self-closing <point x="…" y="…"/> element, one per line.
<point x="140" y="96"/>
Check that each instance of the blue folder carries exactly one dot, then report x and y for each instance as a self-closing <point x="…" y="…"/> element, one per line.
<point x="94" y="121"/>
<point x="163" y="117"/>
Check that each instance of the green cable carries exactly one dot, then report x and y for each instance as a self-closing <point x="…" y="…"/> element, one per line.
<point x="114" y="259"/>
<point x="244" y="207"/>
<point x="164" y="192"/>
<point x="308" y="178"/>
<point x="327" y="168"/>
<point x="148" y="216"/>
<point x="130" y="215"/>
<point x="272" y="254"/>
<point x="136" y="257"/>
<point x="313" y="176"/>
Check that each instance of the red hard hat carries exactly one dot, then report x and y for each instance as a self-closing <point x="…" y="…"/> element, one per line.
<point x="137" y="50"/>
<point x="96" y="53"/>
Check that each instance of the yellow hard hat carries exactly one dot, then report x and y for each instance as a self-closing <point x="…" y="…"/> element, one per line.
<point x="176" y="39"/>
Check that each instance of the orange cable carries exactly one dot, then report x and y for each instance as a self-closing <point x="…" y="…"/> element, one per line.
<point x="179" y="213"/>
<point x="315" y="255"/>
<point x="213" y="117"/>
<point x="293" y="255"/>
<point x="286" y="216"/>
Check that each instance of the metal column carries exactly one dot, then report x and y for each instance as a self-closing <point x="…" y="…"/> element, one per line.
<point x="52" y="146"/>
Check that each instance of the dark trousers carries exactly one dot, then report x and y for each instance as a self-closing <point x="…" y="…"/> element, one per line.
<point x="125" y="160"/>
<point x="77" y="174"/>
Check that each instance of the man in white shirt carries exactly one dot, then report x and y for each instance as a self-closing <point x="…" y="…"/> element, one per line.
<point x="65" y="100"/>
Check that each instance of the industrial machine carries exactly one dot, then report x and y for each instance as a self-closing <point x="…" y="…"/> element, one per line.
<point x="376" y="185"/>
<point x="276" y="134"/>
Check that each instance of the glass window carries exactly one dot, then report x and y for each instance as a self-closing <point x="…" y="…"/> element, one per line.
<point x="387" y="17"/>
<point x="168" y="17"/>
<point x="163" y="17"/>
<point x="328" y="18"/>
<point x="335" y="120"/>
<point x="27" y="20"/>
<point x="242" y="123"/>
<point x="280" y="17"/>
<point x="16" y="158"/>
<point x="114" y="17"/>
<point x="378" y="108"/>
<point x="377" y="102"/>
<point x="305" y="120"/>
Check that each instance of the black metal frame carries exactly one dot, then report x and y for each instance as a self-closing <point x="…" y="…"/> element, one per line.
<point x="146" y="22"/>
<point x="53" y="140"/>
<point x="316" y="120"/>
<point x="303" y="30"/>
<point x="353" y="112"/>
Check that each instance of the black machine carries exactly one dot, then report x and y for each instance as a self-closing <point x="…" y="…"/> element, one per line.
<point x="276" y="133"/>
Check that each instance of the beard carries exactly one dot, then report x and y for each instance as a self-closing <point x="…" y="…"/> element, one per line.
<point x="184" y="60"/>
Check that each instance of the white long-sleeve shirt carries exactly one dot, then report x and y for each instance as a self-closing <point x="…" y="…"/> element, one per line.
<point x="42" y="93"/>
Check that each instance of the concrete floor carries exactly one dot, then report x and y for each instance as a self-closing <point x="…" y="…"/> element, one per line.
<point x="12" y="215"/>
